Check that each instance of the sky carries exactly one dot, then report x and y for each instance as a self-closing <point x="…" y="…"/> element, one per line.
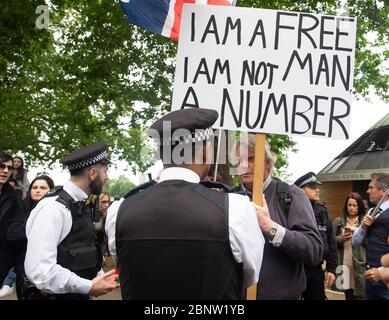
<point x="313" y="153"/>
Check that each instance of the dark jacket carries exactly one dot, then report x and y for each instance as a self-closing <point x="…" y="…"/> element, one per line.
<point x="13" y="239"/>
<point x="282" y="274"/>
<point x="324" y="225"/>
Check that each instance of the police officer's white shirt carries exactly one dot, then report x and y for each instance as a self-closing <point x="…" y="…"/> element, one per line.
<point x="110" y="226"/>
<point x="246" y="239"/>
<point x="49" y="223"/>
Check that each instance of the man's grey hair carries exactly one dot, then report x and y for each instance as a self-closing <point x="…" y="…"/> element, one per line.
<point x="381" y="179"/>
<point x="249" y="141"/>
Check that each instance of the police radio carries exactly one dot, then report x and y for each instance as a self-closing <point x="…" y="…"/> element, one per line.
<point x="91" y="206"/>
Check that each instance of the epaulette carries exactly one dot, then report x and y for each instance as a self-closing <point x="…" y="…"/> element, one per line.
<point x="53" y="191"/>
<point x="140" y="188"/>
<point x="63" y="197"/>
<point x="216" y="185"/>
<point x="75" y="207"/>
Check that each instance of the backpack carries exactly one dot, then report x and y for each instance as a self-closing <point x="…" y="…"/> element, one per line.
<point x="284" y="196"/>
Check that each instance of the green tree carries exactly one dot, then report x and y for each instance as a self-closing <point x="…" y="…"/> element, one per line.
<point x="98" y="78"/>
<point x="118" y="187"/>
<point x="92" y="76"/>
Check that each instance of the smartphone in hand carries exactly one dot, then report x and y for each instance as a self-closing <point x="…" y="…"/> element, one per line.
<point x="348" y="230"/>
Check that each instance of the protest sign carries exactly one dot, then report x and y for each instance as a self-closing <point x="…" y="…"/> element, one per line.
<point x="267" y="70"/>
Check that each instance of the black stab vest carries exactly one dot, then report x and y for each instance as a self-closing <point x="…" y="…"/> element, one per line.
<point x="172" y="242"/>
<point x="78" y="251"/>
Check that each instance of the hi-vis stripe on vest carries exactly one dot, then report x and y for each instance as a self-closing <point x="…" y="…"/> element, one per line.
<point x="162" y="16"/>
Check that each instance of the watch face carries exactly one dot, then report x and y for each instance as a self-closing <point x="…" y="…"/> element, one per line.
<point x="273" y="231"/>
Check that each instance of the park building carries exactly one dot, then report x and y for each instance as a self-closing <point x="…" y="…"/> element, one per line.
<point x="350" y="171"/>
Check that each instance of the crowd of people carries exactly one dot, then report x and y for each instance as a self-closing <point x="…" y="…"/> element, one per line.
<point x="183" y="238"/>
<point x="22" y="197"/>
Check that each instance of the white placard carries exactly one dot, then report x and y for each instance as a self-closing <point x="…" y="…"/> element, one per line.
<point x="267" y="70"/>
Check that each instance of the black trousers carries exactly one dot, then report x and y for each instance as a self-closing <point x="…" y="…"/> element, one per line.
<point x="27" y="291"/>
<point x="315" y="283"/>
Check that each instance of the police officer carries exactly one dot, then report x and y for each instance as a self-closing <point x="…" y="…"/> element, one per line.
<point x="315" y="274"/>
<point x="62" y="260"/>
<point x="178" y="239"/>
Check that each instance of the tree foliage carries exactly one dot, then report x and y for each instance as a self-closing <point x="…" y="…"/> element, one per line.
<point x="118" y="187"/>
<point x="92" y="76"/>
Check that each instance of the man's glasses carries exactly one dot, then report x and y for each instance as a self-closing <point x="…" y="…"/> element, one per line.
<point x="3" y="166"/>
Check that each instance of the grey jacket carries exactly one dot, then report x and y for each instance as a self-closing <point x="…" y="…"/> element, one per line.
<point x="282" y="275"/>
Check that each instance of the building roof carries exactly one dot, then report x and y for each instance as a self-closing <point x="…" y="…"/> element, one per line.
<point x="368" y="154"/>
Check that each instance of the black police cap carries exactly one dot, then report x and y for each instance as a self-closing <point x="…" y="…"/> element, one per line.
<point x="87" y="156"/>
<point x="307" y="179"/>
<point x="196" y="120"/>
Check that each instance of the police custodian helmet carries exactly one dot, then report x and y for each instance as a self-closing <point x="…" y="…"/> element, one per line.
<point x="307" y="179"/>
<point x="87" y="156"/>
<point x="196" y="121"/>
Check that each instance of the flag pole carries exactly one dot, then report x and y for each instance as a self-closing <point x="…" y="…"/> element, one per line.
<point x="257" y="188"/>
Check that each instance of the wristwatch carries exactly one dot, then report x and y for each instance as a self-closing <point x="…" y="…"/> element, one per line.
<point x="272" y="232"/>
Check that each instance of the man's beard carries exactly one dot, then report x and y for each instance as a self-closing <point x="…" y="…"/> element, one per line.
<point x="96" y="186"/>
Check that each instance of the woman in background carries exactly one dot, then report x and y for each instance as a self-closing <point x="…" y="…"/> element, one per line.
<point x="39" y="187"/>
<point x="104" y="201"/>
<point x="353" y="258"/>
<point x="20" y="175"/>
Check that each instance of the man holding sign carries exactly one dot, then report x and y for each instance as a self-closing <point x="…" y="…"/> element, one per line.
<point x="288" y="224"/>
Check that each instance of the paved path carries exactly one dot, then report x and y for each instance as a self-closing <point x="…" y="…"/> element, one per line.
<point x="115" y="294"/>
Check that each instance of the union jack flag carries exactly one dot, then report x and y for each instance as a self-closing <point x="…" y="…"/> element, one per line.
<point x="162" y="16"/>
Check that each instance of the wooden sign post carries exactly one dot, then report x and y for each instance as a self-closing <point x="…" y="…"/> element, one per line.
<point x="258" y="188"/>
